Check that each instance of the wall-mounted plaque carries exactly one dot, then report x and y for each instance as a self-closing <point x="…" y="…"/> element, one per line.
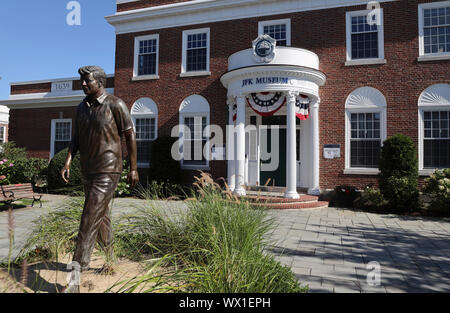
<point x="331" y="151"/>
<point x="62" y="86"/>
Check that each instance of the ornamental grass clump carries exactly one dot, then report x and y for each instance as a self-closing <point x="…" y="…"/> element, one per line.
<point x="215" y="246"/>
<point x="54" y="234"/>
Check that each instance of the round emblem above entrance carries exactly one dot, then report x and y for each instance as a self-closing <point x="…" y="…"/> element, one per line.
<point x="264" y="48"/>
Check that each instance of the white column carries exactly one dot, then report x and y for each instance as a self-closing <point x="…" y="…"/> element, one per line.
<point x="231" y="146"/>
<point x="291" y="146"/>
<point x="315" y="190"/>
<point x="240" y="146"/>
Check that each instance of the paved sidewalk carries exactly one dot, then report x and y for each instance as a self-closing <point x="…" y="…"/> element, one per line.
<point x="328" y="249"/>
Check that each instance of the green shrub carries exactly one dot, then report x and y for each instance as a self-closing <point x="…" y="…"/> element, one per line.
<point x="6" y="171"/>
<point x="123" y="188"/>
<point x="54" y="171"/>
<point x="345" y="195"/>
<point x="159" y="190"/>
<point x="24" y="170"/>
<point x="29" y="170"/>
<point x="398" y="178"/>
<point x="438" y="187"/>
<point x="163" y="167"/>
<point x="10" y="151"/>
<point x="370" y="199"/>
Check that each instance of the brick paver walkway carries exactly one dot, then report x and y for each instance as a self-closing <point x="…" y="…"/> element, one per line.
<point x="328" y="249"/>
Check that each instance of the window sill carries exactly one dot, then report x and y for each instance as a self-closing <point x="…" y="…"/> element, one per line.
<point x="361" y="171"/>
<point x="437" y="57"/>
<point x="426" y="172"/>
<point x="192" y="74"/>
<point x="144" y="77"/>
<point x="365" y="62"/>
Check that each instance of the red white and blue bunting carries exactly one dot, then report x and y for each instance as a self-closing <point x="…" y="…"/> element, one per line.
<point x="302" y="107"/>
<point x="266" y="103"/>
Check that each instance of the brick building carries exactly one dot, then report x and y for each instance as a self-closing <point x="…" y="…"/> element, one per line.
<point x="353" y="75"/>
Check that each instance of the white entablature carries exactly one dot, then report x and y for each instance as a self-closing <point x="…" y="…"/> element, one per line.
<point x="292" y="69"/>
<point x="209" y="11"/>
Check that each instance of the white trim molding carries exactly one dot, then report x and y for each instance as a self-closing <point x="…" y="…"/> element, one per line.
<point x="145" y="108"/>
<point x="209" y="11"/>
<point x="363" y="100"/>
<point x="45" y="100"/>
<point x="368" y="61"/>
<point x="287" y="22"/>
<point x="53" y="133"/>
<point x="186" y="33"/>
<point x="434" y="98"/>
<point x="3" y="135"/>
<point x="137" y="41"/>
<point x="194" y="106"/>
<point x="423" y="57"/>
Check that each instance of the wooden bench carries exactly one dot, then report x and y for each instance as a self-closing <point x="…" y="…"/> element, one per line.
<point x="11" y="193"/>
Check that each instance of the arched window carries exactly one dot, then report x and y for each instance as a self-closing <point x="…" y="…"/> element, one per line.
<point x="194" y="117"/>
<point x="365" y="130"/>
<point x="434" y="128"/>
<point x="145" y="118"/>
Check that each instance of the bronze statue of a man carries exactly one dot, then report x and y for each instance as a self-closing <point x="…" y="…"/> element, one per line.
<point x="100" y="122"/>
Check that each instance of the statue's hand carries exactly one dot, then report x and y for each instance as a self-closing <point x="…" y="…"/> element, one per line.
<point x="133" y="178"/>
<point x="65" y="174"/>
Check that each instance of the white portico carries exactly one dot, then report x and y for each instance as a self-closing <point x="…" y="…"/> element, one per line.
<point x="267" y="86"/>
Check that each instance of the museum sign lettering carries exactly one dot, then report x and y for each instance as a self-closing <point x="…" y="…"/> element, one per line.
<point x="265" y="80"/>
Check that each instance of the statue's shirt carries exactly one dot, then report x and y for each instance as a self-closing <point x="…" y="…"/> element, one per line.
<point x="98" y="129"/>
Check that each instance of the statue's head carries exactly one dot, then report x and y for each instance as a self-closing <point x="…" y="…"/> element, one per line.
<point x="92" y="78"/>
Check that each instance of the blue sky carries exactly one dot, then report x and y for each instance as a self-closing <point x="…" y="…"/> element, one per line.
<point x="37" y="43"/>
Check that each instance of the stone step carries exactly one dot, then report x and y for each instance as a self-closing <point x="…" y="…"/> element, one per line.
<point x="291" y="206"/>
<point x="267" y="199"/>
<point x="273" y="189"/>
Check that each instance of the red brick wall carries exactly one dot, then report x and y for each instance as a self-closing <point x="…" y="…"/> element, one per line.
<point x="31" y="128"/>
<point x="31" y="88"/>
<point x="145" y="4"/>
<point x="401" y="80"/>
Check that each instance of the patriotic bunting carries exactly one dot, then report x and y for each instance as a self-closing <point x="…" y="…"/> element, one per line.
<point x="302" y="107"/>
<point x="266" y="103"/>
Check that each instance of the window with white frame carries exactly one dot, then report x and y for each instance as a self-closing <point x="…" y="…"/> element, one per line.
<point x="196" y="51"/>
<point x="365" y="130"/>
<point x="194" y="141"/>
<point x="194" y="118"/>
<point x="144" y="114"/>
<point x="2" y="134"/>
<point x="365" y="35"/>
<point x="365" y="139"/>
<point x="61" y="135"/>
<point x="434" y="127"/>
<point x="146" y="56"/>
<point x="436" y="139"/>
<point x="434" y="28"/>
<point x="280" y="30"/>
